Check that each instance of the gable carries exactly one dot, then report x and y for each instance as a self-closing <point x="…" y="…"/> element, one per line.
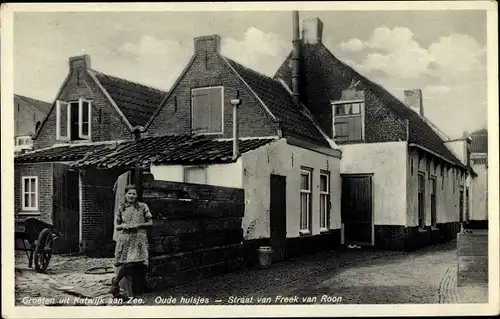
<point x="27" y="112"/>
<point x="174" y="116"/>
<point x="106" y="123"/>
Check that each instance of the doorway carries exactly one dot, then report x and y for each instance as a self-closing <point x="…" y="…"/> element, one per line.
<point x="277" y="213"/>
<point x="357" y="209"/>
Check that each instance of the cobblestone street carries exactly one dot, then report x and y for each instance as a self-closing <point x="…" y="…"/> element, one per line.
<point x="358" y="277"/>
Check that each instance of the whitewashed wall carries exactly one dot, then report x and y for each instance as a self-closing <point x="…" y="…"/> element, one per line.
<point x="252" y="173"/>
<point x="387" y="162"/>
<point x="447" y="205"/>
<point x="479" y="194"/>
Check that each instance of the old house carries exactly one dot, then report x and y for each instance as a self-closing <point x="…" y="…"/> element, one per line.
<point x="92" y="111"/>
<point x="402" y="187"/>
<point x="478" y="217"/>
<point x="28" y="114"/>
<point x="226" y="125"/>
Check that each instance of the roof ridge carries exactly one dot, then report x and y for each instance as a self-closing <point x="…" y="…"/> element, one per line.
<point x="130" y="82"/>
<point x="30" y="98"/>
<point x="250" y="69"/>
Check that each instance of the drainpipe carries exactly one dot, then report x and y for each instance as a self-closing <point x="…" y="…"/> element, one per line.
<point x="296" y="57"/>
<point x="236" y="102"/>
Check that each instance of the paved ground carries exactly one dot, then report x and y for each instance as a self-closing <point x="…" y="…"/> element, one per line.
<point x="352" y="277"/>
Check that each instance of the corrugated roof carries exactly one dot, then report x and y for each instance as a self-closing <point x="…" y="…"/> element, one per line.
<point x="42" y="106"/>
<point x="136" y="101"/>
<point x="169" y="149"/>
<point x="327" y="76"/>
<point x="279" y="101"/>
<point x="68" y="152"/>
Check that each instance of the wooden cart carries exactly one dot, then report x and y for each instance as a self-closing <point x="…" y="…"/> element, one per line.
<point x="37" y="238"/>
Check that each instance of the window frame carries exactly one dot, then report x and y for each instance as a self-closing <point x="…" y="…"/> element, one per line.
<point x="26" y="138"/>
<point x="360" y="115"/>
<point x="68" y="136"/>
<point x="222" y="109"/>
<point x="421" y="190"/>
<point x="308" y="193"/>
<point x="25" y="192"/>
<point x="324" y="198"/>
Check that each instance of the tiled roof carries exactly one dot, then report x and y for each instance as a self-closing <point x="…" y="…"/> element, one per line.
<point x="479" y="143"/>
<point x="327" y="76"/>
<point x="44" y="107"/>
<point x="136" y="101"/>
<point x="279" y="101"/>
<point x="169" y="149"/>
<point x="70" y="152"/>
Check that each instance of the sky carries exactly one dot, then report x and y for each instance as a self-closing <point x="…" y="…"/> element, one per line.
<point x="441" y="52"/>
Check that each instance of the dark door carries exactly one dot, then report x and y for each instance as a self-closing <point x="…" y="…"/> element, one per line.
<point x="356" y="205"/>
<point x="66" y="213"/>
<point x="278" y="216"/>
<point x="461" y="205"/>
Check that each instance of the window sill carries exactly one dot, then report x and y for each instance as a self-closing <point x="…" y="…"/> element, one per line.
<point x="434" y="228"/>
<point x="304" y="232"/>
<point x="422" y="230"/>
<point x="324" y="230"/>
<point x="29" y="213"/>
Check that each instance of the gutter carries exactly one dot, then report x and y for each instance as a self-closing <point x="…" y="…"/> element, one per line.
<point x="435" y="154"/>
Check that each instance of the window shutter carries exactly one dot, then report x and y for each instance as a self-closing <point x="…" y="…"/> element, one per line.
<point x="200" y="108"/>
<point x="61" y="120"/>
<point x="84" y="118"/>
<point x="216" y="110"/>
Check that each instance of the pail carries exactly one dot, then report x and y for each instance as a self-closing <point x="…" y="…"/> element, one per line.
<point x="265" y="256"/>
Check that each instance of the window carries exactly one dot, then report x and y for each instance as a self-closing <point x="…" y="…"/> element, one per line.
<point x="467" y="207"/>
<point x="73" y="120"/>
<point x="305" y="199"/>
<point x="411" y="166"/>
<point x="207" y="110"/>
<point x="29" y="193"/>
<point x="442" y="176"/>
<point x="195" y="175"/>
<point x="433" y="202"/>
<point x="23" y="140"/>
<point x="348" y="121"/>
<point x="324" y="197"/>
<point x="421" y="200"/>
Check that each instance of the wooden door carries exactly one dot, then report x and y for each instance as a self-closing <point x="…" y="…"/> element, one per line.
<point x="66" y="211"/>
<point x="356" y="206"/>
<point x="278" y="216"/>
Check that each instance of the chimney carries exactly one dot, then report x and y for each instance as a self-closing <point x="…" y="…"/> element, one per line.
<point x="207" y="44"/>
<point x="312" y="31"/>
<point x="413" y="99"/>
<point x="296" y="57"/>
<point x="79" y="62"/>
<point x="236" y="132"/>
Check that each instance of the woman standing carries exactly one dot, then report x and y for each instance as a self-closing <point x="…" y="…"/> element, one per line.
<point x="131" y="252"/>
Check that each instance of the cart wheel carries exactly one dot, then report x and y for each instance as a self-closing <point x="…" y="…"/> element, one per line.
<point x="43" y="250"/>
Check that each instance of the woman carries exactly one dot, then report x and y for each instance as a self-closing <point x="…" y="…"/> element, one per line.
<point x="131" y="252"/>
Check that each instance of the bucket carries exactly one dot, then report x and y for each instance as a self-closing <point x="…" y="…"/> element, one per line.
<point x="265" y="256"/>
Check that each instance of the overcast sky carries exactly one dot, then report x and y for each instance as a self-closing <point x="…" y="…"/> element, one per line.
<point x="441" y="52"/>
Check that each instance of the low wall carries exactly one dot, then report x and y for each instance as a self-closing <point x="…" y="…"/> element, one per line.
<point x="196" y="231"/>
<point x="472" y="250"/>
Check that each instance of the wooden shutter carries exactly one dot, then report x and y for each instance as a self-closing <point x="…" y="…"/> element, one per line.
<point x="200" y="109"/>
<point x="61" y="120"/>
<point x="84" y="118"/>
<point x="216" y="110"/>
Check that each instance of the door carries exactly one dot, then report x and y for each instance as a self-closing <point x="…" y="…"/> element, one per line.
<point x="66" y="213"/>
<point x="461" y="205"/>
<point x="278" y="216"/>
<point x="356" y="206"/>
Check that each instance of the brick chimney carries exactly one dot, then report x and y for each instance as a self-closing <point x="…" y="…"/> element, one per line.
<point x="413" y="99"/>
<point x="207" y="43"/>
<point x="312" y="30"/>
<point x="79" y="62"/>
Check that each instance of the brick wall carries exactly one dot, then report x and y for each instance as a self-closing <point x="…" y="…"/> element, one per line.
<point x="106" y="123"/>
<point x="98" y="201"/>
<point x="44" y="172"/>
<point x="211" y="70"/>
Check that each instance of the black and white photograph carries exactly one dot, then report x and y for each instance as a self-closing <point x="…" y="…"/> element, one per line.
<point x="286" y="159"/>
